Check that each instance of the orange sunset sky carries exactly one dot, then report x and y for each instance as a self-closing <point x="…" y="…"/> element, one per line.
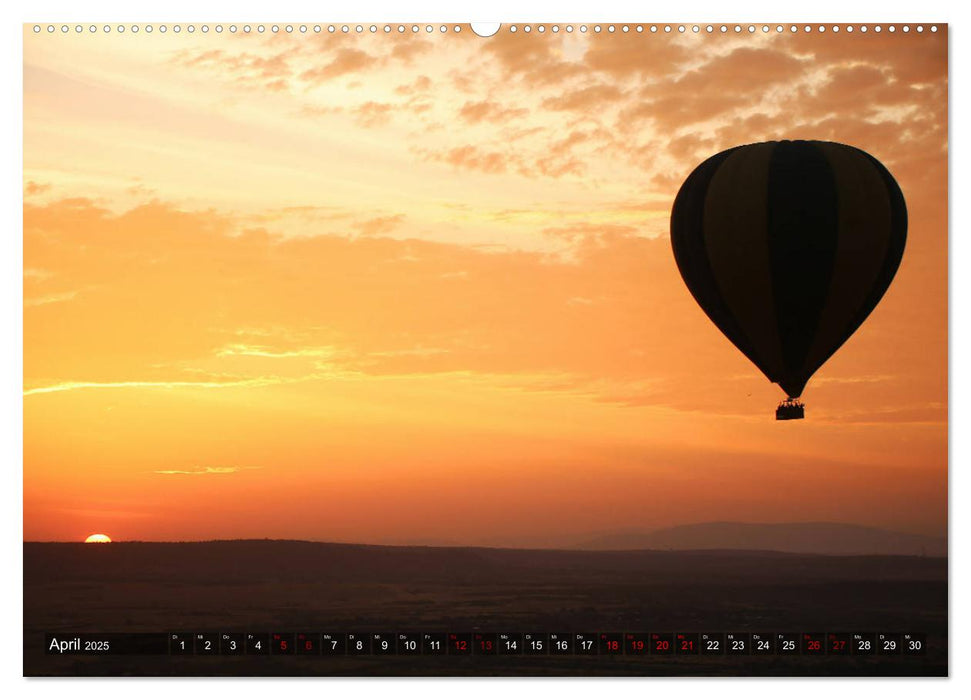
<point x="420" y="288"/>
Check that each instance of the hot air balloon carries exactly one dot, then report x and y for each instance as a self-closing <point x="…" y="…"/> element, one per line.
<point x="788" y="246"/>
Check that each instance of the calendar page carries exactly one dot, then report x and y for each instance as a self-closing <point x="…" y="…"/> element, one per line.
<point x="449" y="349"/>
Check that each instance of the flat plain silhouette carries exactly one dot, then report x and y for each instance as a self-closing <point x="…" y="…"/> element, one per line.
<point x="802" y="538"/>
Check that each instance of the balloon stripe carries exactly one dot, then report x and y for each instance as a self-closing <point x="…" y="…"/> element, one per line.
<point x="802" y="232"/>
<point x="895" y="250"/>
<point x="735" y="237"/>
<point x="864" y="237"/>
<point x="687" y="242"/>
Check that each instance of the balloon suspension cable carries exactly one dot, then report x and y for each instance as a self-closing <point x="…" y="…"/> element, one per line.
<point x="790" y="409"/>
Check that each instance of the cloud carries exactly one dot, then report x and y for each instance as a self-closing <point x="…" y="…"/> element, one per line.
<point x="345" y="61"/>
<point x="269" y="71"/>
<point x="736" y="71"/>
<point x="560" y="156"/>
<point x="412" y="352"/>
<point x="406" y="47"/>
<point x="37" y="274"/>
<point x="554" y="161"/>
<point x="932" y="413"/>
<point x="622" y="56"/>
<point x="692" y="99"/>
<point x="590" y="99"/>
<point x="471" y="157"/>
<point x="535" y="60"/>
<point x="379" y="225"/>
<point x="197" y="471"/>
<point x="420" y="85"/>
<point x="912" y="59"/>
<point x="860" y="379"/>
<point x="240" y="349"/>
<point x="74" y="386"/>
<point x="284" y="217"/>
<point x="50" y="298"/>
<point x="489" y="111"/>
<point x="372" y="114"/>
<point x="587" y="231"/>
<point x="33" y="188"/>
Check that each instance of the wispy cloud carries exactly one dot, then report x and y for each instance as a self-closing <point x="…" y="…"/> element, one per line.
<point x="346" y="60"/>
<point x="379" y="224"/>
<point x="36" y="273"/>
<point x="50" y="298"/>
<point x="195" y="471"/>
<point x="264" y="351"/>
<point x="418" y="352"/>
<point x="73" y="386"/>
<point x="32" y="188"/>
<point x="860" y="379"/>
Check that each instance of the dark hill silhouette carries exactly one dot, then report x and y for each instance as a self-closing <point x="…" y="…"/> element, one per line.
<point x="291" y="560"/>
<point x="801" y="538"/>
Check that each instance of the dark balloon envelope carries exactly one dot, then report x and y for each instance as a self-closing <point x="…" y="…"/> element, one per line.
<point x="788" y="246"/>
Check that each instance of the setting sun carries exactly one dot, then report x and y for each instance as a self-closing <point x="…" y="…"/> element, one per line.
<point x="97" y="539"/>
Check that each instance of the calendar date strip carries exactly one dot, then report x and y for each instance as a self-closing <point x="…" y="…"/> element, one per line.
<point x="490" y="644"/>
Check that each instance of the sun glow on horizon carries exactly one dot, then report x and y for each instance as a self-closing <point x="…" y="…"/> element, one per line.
<point x="97" y="539"/>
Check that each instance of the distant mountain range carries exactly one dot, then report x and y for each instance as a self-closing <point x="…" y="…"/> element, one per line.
<point x="800" y="538"/>
<point x="809" y="538"/>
